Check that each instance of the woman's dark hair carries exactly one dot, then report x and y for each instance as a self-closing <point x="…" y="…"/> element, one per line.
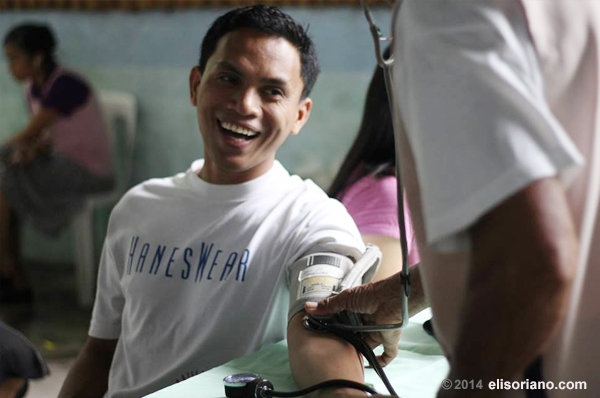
<point x="34" y="39"/>
<point x="269" y="20"/>
<point x="373" y="149"/>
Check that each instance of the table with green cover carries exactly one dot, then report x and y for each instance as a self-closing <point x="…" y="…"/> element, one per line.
<point x="416" y="372"/>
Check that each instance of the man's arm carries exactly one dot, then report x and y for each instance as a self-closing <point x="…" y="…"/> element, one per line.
<point x="89" y="375"/>
<point x="524" y="259"/>
<point x="380" y="301"/>
<point x="316" y="357"/>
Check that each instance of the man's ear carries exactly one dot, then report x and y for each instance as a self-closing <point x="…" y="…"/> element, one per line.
<point x="195" y="78"/>
<point x="303" y="113"/>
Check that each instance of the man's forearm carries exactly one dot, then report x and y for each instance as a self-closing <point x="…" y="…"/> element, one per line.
<point x="318" y="357"/>
<point x="89" y="375"/>
<point x="524" y="258"/>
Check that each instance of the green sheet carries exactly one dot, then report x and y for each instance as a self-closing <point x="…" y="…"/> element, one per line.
<point x="416" y="372"/>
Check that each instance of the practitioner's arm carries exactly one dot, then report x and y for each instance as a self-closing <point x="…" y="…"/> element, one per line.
<point x="524" y="260"/>
<point x="391" y="263"/>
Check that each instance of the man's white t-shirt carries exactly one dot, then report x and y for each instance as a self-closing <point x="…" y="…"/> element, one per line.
<point x="495" y="94"/>
<point x="195" y="274"/>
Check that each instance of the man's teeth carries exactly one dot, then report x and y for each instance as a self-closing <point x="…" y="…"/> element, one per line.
<point x="238" y="129"/>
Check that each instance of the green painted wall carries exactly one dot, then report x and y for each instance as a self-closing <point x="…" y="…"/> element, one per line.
<point x="150" y="55"/>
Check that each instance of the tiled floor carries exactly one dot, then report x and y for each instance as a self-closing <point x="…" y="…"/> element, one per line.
<point x="54" y="322"/>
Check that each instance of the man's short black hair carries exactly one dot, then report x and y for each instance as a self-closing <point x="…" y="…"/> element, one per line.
<point x="271" y="21"/>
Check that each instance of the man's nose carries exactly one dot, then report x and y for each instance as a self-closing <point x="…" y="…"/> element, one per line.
<point x="246" y="102"/>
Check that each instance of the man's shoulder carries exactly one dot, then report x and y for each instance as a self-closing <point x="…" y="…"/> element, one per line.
<point x="284" y="182"/>
<point x="306" y="189"/>
<point x="312" y="202"/>
<point x="301" y="198"/>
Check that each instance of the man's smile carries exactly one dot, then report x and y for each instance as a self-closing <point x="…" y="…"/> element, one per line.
<point x="238" y="132"/>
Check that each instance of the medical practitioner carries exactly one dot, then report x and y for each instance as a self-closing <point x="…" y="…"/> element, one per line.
<point x="501" y="160"/>
<point x="196" y="268"/>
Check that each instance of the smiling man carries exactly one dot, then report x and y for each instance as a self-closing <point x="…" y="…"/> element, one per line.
<point x="196" y="268"/>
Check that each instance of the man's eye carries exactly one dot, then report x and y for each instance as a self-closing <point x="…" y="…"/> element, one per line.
<point x="228" y="78"/>
<point x="274" y="92"/>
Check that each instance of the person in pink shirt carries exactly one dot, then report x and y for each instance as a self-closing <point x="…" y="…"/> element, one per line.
<point x="58" y="158"/>
<point x="366" y="184"/>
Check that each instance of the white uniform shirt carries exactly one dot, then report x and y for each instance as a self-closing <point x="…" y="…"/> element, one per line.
<point x="496" y="94"/>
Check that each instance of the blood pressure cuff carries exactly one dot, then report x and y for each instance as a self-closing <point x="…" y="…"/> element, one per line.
<point x="319" y="275"/>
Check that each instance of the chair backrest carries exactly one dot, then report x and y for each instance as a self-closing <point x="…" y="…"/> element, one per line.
<point x="120" y="109"/>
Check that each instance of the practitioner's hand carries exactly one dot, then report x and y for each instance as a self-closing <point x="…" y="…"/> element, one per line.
<point x="380" y="303"/>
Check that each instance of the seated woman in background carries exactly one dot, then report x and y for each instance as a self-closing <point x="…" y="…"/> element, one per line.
<point x="366" y="184"/>
<point x="60" y="156"/>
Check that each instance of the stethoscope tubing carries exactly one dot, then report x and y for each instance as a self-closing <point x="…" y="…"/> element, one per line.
<point x="386" y="65"/>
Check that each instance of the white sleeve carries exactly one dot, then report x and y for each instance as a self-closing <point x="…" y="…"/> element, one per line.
<point x="327" y="228"/>
<point x="472" y="100"/>
<point x="108" y="307"/>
